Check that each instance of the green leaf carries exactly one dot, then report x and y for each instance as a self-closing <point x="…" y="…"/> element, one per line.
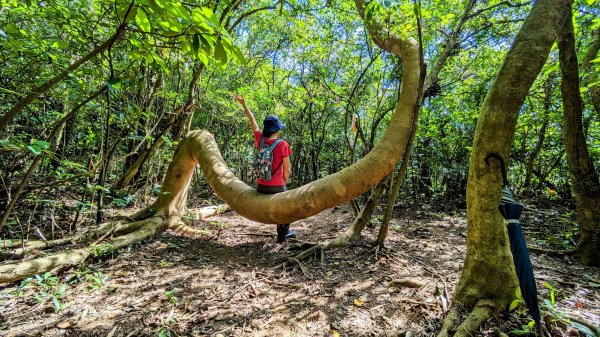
<point x="142" y="20"/>
<point x="212" y="18"/>
<point x="155" y="7"/>
<point x="587" y="331"/>
<point x="44" y="145"/>
<point x="60" y="44"/>
<point x="594" y="284"/>
<point x="34" y="149"/>
<point x="202" y="57"/>
<point x="220" y="53"/>
<point x="513" y="305"/>
<point x="239" y="56"/>
<point x="206" y="43"/>
<point x="195" y="43"/>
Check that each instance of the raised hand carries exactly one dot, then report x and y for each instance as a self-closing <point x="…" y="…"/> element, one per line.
<point x="239" y="99"/>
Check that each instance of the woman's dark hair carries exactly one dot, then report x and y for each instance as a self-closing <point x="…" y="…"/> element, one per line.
<point x="271" y="124"/>
<point x="268" y="133"/>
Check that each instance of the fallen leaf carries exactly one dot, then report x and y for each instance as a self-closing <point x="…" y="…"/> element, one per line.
<point x="65" y="325"/>
<point x="358" y="302"/>
<point x="594" y="284"/>
<point x="579" y="305"/>
<point x="335" y="333"/>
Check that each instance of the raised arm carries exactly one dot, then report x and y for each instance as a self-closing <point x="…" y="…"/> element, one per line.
<point x="247" y="111"/>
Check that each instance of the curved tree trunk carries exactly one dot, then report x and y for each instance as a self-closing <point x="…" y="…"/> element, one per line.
<point x="586" y="185"/>
<point x="488" y="278"/>
<point x="200" y="147"/>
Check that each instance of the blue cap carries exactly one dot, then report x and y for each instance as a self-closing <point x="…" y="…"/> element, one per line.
<point x="272" y="124"/>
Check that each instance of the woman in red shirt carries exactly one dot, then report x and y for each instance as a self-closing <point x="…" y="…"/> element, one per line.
<point x="281" y="160"/>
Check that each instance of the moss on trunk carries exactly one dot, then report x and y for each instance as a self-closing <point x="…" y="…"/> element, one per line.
<point x="488" y="271"/>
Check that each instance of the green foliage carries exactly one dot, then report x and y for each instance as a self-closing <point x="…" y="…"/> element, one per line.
<point x="48" y="289"/>
<point x="102" y="249"/>
<point x="96" y="280"/>
<point x="525" y="329"/>
<point x="170" y="294"/>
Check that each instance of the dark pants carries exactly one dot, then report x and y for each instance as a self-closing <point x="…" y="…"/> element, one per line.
<point x="282" y="229"/>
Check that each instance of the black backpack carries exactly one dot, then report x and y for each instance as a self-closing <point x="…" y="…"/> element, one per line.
<point x="263" y="162"/>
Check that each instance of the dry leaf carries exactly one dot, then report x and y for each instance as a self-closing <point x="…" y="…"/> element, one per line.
<point x="358" y="302"/>
<point x="335" y="333"/>
<point x="65" y="325"/>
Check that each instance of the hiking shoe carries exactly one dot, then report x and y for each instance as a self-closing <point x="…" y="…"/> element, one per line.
<point x="290" y="234"/>
<point x="284" y="233"/>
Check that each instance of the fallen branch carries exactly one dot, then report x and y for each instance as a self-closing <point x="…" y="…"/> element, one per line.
<point x="408" y="282"/>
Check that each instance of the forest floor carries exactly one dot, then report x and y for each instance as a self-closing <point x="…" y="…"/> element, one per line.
<point x="226" y="284"/>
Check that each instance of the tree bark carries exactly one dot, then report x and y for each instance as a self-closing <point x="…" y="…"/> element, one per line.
<point x="488" y="271"/>
<point x="586" y="185"/>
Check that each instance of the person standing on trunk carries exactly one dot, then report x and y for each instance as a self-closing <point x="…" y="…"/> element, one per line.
<point x="280" y="171"/>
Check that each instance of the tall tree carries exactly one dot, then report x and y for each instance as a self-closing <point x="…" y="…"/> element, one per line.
<point x="488" y="279"/>
<point x="584" y="178"/>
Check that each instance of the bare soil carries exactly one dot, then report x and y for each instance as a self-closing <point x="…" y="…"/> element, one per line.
<point x="225" y="284"/>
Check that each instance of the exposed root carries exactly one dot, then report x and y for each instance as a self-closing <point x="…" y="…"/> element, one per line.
<point x="206" y="212"/>
<point x="341" y="241"/>
<point x="5" y="244"/>
<point x="110" y="227"/>
<point x="483" y="310"/>
<point x="183" y="229"/>
<point x="450" y="321"/>
<point x="17" y="271"/>
<point x="124" y="234"/>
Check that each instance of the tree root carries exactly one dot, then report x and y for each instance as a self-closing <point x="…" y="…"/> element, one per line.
<point x="483" y="310"/>
<point x="341" y="241"/>
<point x="183" y="229"/>
<point x="17" y="271"/>
<point x="110" y="227"/>
<point x="123" y="234"/>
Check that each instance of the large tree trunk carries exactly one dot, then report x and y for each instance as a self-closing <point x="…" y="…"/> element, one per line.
<point x="488" y="279"/>
<point x="586" y="186"/>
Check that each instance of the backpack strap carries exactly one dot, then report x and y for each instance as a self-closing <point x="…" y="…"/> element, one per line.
<point x="271" y="148"/>
<point x="278" y="166"/>
<point x="275" y="143"/>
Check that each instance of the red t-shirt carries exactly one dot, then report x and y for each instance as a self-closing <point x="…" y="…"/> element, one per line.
<point x="282" y="150"/>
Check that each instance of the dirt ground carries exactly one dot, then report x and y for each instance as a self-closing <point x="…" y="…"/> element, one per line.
<point x="226" y="283"/>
